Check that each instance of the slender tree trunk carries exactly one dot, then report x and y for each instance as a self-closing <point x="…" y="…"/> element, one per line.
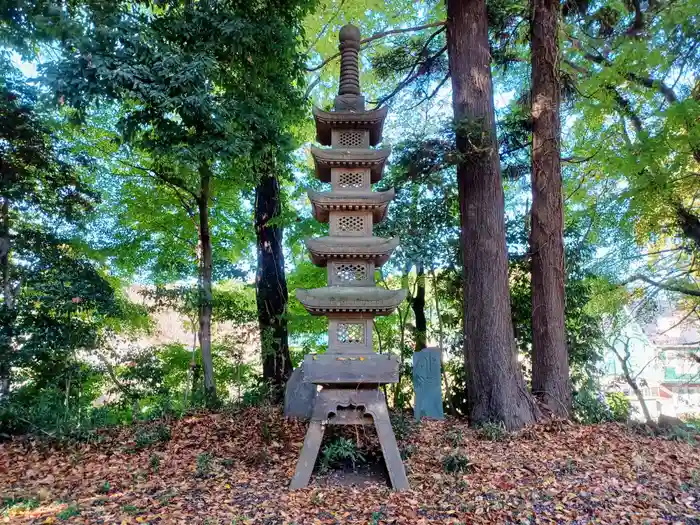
<point x="418" y="305"/>
<point x="631" y="381"/>
<point x="495" y="386"/>
<point x="205" y="292"/>
<point x="550" y="360"/>
<point x="8" y="313"/>
<point x="271" y="285"/>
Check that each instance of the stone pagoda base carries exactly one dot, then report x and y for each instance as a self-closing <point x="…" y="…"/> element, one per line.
<point x="342" y="406"/>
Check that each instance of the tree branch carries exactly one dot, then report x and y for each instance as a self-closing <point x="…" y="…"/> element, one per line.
<point x="664" y="286"/>
<point x="377" y="36"/>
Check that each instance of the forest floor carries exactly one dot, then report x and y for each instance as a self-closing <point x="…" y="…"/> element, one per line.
<point x="234" y="468"/>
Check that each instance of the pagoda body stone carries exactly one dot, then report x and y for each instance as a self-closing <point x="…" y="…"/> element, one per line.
<point x="350" y="372"/>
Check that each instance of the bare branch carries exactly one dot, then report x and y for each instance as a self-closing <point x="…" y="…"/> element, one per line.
<point x="377" y="36"/>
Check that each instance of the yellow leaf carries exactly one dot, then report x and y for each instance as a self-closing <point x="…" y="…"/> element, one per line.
<point x="227" y="486"/>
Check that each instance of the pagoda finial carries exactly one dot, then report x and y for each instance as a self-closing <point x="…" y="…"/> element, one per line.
<point x="349" y="97"/>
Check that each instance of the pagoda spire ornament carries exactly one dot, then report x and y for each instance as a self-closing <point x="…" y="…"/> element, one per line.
<point x="350" y="372"/>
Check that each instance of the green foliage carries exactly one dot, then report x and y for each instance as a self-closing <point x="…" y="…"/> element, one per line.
<point x="455" y="437"/>
<point x="590" y="406"/>
<point x="68" y="513"/>
<point x="403" y="424"/>
<point x="456" y="462"/>
<point x="154" y="463"/>
<point x="204" y="462"/>
<point x="149" y="435"/>
<point x="619" y="406"/>
<point x="14" y="505"/>
<point x="339" y="452"/>
<point x="493" y="431"/>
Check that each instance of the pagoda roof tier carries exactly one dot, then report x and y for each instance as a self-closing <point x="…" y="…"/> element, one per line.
<point x="372" y="121"/>
<point x="325" y="159"/>
<point x="375" y="249"/>
<point x="323" y="202"/>
<point x="348" y="299"/>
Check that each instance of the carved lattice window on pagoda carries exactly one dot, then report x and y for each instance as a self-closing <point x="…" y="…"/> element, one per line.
<point x="351" y="179"/>
<point x="351" y="333"/>
<point x="351" y="139"/>
<point x="348" y="272"/>
<point x="351" y="224"/>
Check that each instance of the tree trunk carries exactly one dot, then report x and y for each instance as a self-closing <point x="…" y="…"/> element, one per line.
<point x="495" y="386"/>
<point x="271" y="286"/>
<point x="205" y="290"/>
<point x="418" y="305"/>
<point x="550" y="360"/>
<point x="631" y="381"/>
<point x="8" y="303"/>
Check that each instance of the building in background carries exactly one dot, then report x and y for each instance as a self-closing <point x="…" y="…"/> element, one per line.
<point x="663" y="359"/>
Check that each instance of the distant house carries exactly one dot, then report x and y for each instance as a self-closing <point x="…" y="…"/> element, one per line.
<point x="664" y="360"/>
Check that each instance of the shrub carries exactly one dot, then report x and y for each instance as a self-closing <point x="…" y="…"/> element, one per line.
<point x="68" y="512"/>
<point x="403" y="424"/>
<point x="619" y="406"/>
<point x="154" y="462"/>
<point x="591" y="407"/>
<point x="456" y="462"/>
<point x="493" y="431"/>
<point x="147" y="436"/>
<point x="339" y="452"/>
<point x="454" y="437"/>
<point x="203" y="465"/>
<point x="10" y="506"/>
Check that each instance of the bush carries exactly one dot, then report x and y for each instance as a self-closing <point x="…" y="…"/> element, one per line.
<point x="619" y="406"/>
<point x="590" y="407"/>
<point x="339" y="452"/>
<point x="493" y="431"/>
<point x="203" y="465"/>
<point x="147" y="436"/>
<point x="403" y="424"/>
<point x="456" y="462"/>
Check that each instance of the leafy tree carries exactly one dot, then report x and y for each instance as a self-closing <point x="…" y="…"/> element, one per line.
<point x="199" y="87"/>
<point x="38" y="189"/>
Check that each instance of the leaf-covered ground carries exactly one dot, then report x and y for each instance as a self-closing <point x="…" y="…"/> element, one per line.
<point x="235" y="468"/>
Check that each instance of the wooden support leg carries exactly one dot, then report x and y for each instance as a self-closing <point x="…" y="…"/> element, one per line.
<point x="307" y="459"/>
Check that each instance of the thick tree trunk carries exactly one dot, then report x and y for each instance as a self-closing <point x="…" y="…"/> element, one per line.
<point x="418" y="305"/>
<point x="550" y="360"/>
<point x="205" y="291"/>
<point x="271" y="285"/>
<point x="495" y="386"/>
<point x="8" y="302"/>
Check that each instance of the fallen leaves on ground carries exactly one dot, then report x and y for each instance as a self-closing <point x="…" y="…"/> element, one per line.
<point x="226" y="468"/>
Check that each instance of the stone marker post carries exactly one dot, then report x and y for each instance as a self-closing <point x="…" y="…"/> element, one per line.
<point x="350" y="372"/>
<point x="427" y="384"/>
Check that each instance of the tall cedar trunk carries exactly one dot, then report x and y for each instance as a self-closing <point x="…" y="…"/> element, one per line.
<point x="8" y="304"/>
<point x="550" y="360"/>
<point x="495" y="386"/>
<point x="271" y="285"/>
<point x="205" y="291"/>
<point x="418" y="305"/>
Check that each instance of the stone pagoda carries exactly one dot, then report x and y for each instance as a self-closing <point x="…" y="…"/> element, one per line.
<point x="350" y="372"/>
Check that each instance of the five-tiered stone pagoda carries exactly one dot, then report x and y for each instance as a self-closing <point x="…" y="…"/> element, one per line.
<point x="350" y="372"/>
